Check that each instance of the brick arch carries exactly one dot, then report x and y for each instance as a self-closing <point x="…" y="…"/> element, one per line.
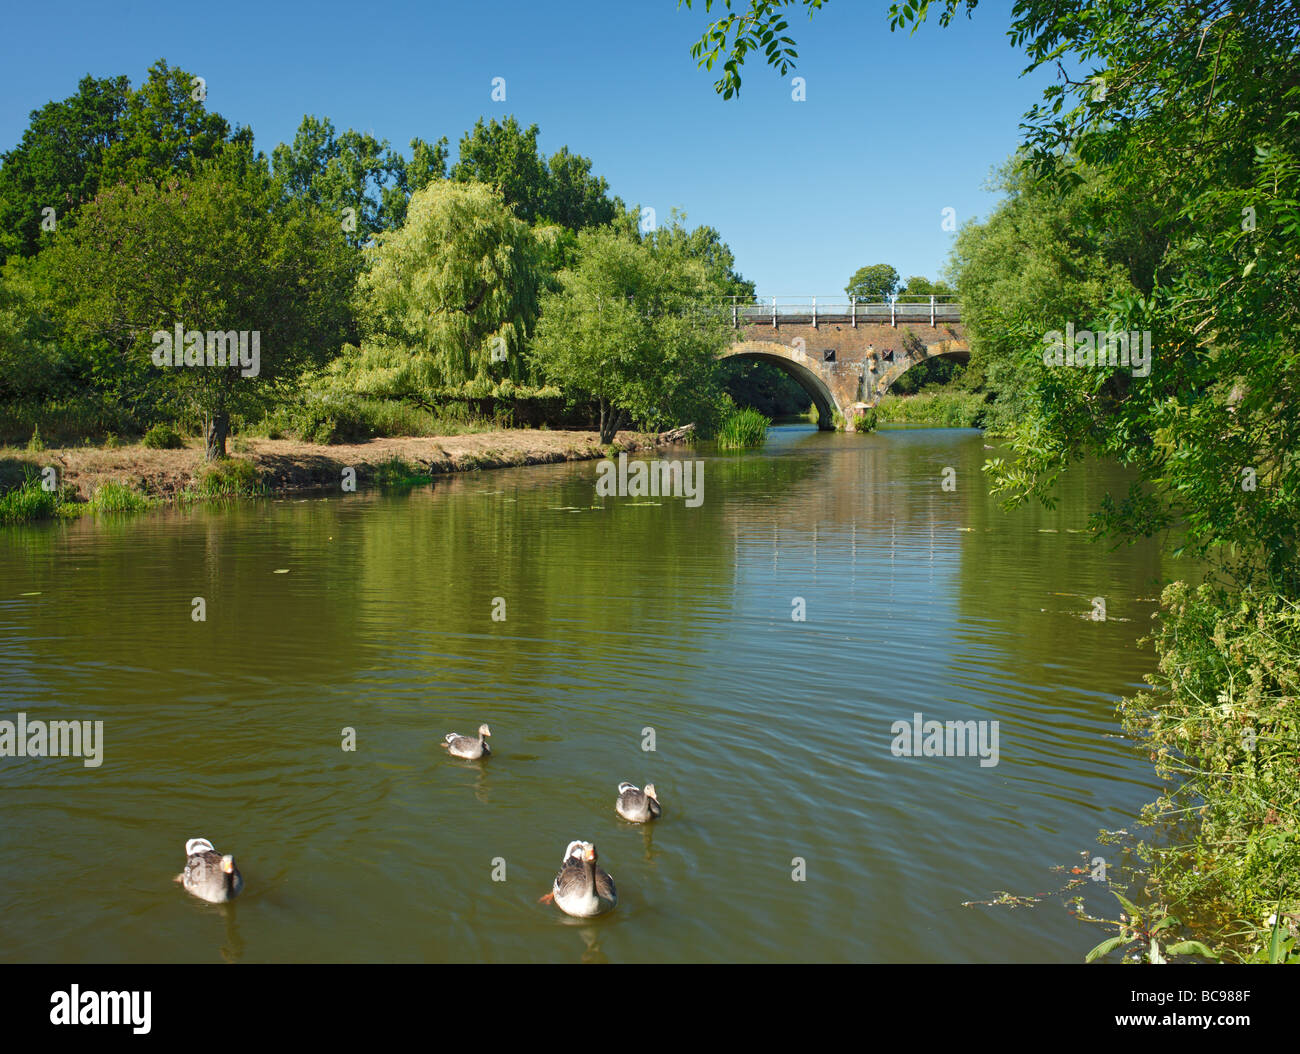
<point x="796" y="364"/>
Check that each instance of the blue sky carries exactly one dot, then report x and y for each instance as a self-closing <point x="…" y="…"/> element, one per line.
<point x="895" y="128"/>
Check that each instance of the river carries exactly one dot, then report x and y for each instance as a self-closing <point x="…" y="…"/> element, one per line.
<point x="792" y="830"/>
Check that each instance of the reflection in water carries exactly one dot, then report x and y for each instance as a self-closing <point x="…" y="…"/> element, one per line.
<point x="825" y="589"/>
<point x="233" y="950"/>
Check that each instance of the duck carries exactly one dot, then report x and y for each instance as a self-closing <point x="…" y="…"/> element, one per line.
<point x="582" y="887"/>
<point x="639" y="806"/>
<point x="468" y="746"/>
<point x="208" y="874"/>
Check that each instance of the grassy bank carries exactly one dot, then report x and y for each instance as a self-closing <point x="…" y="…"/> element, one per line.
<point x="119" y="478"/>
<point x="939" y="409"/>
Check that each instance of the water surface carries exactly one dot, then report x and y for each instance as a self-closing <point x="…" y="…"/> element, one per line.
<point x="373" y="612"/>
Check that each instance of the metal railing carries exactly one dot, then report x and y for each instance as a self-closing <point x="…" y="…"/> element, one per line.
<point x="813" y="310"/>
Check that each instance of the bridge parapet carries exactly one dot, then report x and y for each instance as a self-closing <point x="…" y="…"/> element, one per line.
<point x="815" y="311"/>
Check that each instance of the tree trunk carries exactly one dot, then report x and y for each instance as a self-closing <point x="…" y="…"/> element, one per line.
<point x="610" y="420"/>
<point x="216" y="428"/>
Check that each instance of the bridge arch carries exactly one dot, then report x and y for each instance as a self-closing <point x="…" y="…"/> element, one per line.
<point x="794" y="363"/>
<point x="888" y="372"/>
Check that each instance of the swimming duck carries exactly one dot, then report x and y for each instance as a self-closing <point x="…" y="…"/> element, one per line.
<point x="209" y="875"/>
<point x="582" y="888"/>
<point x="639" y="806"/>
<point x="468" y="746"/>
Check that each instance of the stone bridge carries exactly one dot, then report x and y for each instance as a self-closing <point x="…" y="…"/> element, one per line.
<point x="846" y="355"/>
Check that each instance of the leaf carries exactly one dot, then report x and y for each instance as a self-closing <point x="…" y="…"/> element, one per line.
<point x="1105" y="948"/>
<point x="1191" y="948"/>
<point x="1134" y="912"/>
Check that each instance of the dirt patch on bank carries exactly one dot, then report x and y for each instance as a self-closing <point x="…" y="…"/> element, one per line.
<point x="285" y="465"/>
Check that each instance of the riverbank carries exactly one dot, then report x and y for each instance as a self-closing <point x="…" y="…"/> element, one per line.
<point x="939" y="409"/>
<point x="83" y="476"/>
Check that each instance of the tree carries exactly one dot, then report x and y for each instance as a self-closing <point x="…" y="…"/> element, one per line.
<point x="706" y="245"/>
<point x="918" y="285"/>
<point x="628" y="328"/>
<point x="873" y="282"/>
<point x="166" y="129"/>
<point x="218" y="255"/>
<point x="450" y="296"/>
<point x="352" y="171"/>
<point x="104" y="134"/>
<point x="575" y="198"/>
<point x="505" y="155"/>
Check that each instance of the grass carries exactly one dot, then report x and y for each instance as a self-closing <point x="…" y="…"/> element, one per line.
<point x="867" y="420"/>
<point x="742" y="430"/>
<point x="950" y="409"/>
<point x="229" y="478"/>
<point x="28" y="503"/>
<point x="112" y="496"/>
<point x="399" y="473"/>
<point x="326" y="419"/>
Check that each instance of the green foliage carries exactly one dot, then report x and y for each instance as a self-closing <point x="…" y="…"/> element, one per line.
<point x="399" y="473"/>
<point x="704" y="244"/>
<point x="873" y="282"/>
<point x="627" y="329"/>
<point x="211" y="252"/>
<point x="769" y="390"/>
<point x="112" y="496"/>
<point x="28" y="503"/>
<point x="355" y="171"/>
<point x="743" y="430"/>
<point x="104" y="134"/>
<point x="867" y="420"/>
<point x="948" y="409"/>
<point x="918" y="285"/>
<point x="163" y="437"/>
<point x="35" y="444"/>
<point x="455" y="286"/>
<point x="733" y="36"/>
<point x="1221" y="723"/>
<point x="229" y="478"/>
<point x="1145" y="934"/>
<point x="505" y="156"/>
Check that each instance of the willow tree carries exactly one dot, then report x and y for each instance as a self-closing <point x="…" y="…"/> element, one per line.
<point x="450" y="296"/>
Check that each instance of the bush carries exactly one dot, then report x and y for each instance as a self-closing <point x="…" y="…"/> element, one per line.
<point x="1221" y="724"/>
<point x="163" y="437"/>
<point x="866" y="420"/>
<point x="743" y="429"/>
<point x="229" y="478"/>
<point x="398" y="473"/>
<point x="118" y="497"/>
<point x="951" y="409"/>
<point x="331" y="419"/>
<point x="28" y="503"/>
